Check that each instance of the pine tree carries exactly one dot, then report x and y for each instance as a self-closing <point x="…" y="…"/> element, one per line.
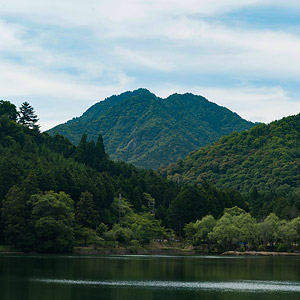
<point x="100" y="151"/>
<point x="27" y="116"/>
<point x="100" y="160"/>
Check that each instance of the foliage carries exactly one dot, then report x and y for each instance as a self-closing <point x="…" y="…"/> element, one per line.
<point x="9" y="109"/>
<point x="194" y="202"/>
<point x="83" y="201"/>
<point x="53" y="221"/>
<point x="269" y="229"/>
<point x="27" y="116"/>
<point x="16" y="219"/>
<point x="86" y="213"/>
<point x="32" y="163"/>
<point x="85" y="236"/>
<point x="148" y="131"/>
<point x="101" y="229"/>
<point x="198" y="232"/>
<point x="266" y="159"/>
<point x="238" y="230"/>
<point x="226" y="233"/>
<point x="144" y="227"/>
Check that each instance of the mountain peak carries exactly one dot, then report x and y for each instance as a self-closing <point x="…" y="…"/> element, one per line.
<point x="149" y="133"/>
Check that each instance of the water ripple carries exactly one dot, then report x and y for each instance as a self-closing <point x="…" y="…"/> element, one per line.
<point x="240" y="286"/>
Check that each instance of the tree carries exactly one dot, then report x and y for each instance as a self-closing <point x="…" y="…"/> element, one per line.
<point x="234" y="211"/>
<point x="295" y="223"/>
<point x="203" y="228"/>
<point x="190" y="233"/>
<point x="53" y="220"/>
<point x="189" y="205"/>
<point x="88" y="235"/>
<point x="249" y="229"/>
<point x="123" y="234"/>
<point x="144" y="227"/>
<point x="16" y="219"/>
<point x="86" y="213"/>
<point x="286" y="234"/>
<point x="269" y="228"/>
<point x="101" y="229"/>
<point x="119" y="209"/>
<point x="27" y="116"/>
<point x="226" y="233"/>
<point x="9" y="109"/>
<point x="100" y="158"/>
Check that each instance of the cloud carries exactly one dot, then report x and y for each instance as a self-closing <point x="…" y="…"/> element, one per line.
<point x="191" y="45"/>
<point x="264" y="104"/>
<point x="148" y="59"/>
<point x="92" y="11"/>
<point x="67" y="53"/>
<point x="55" y="98"/>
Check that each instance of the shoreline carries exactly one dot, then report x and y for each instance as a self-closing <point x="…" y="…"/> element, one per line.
<point x="259" y="253"/>
<point x="156" y="251"/>
<point x="122" y="251"/>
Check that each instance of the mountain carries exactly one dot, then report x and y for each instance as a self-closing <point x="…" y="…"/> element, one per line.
<point x="53" y="192"/>
<point x="56" y="164"/>
<point x="267" y="158"/>
<point x="34" y="163"/>
<point x="149" y="131"/>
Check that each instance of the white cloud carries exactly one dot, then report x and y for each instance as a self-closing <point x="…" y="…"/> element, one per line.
<point x="130" y="38"/>
<point x="147" y="59"/>
<point x="92" y="11"/>
<point x="8" y="37"/>
<point x="55" y="98"/>
<point x="264" y="104"/>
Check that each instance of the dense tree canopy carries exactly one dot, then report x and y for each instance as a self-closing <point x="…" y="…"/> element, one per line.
<point x="238" y="230"/>
<point x="53" y="221"/>
<point x="54" y="195"/>
<point x="9" y="109"/>
<point x="265" y="158"/>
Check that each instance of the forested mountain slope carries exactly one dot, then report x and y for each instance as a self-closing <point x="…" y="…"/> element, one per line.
<point x="148" y="131"/>
<point x="54" y="195"/>
<point x="267" y="158"/>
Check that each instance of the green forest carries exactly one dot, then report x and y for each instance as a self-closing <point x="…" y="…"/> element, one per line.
<point x="147" y="131"/>
<point x="266" y="157"/>
<point x="55" y="196"/>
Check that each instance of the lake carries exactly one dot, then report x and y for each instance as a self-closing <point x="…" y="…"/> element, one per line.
<point x="66" y="277"/>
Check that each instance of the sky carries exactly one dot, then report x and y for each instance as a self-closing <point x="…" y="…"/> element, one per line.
<point x="62" y="56"/>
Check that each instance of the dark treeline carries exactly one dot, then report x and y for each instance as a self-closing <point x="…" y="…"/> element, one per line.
<point x="54" y="195"/>
<point x="33" y="163"/>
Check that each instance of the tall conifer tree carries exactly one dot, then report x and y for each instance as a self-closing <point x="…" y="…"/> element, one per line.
<point x="27" y="116"/>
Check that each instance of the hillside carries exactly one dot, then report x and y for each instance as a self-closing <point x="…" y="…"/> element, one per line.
<point x="149" y="131"/>
<point x="267" y="157"/>
<point x="53" y="195"/>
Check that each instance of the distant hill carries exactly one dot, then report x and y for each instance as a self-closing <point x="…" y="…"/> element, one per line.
<point x="149" y="131"/>
<point x="267" y="158"/>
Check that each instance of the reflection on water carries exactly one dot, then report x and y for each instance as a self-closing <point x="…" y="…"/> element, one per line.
<point x="240" y="286"/>
<point x="68" y="277"/>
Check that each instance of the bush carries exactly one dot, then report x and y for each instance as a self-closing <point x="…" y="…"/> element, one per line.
<point x="134" y="246"/>
<point x="281" y="248"/>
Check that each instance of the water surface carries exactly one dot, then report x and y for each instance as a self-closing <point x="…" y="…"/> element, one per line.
<point x="58" y="277"/>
